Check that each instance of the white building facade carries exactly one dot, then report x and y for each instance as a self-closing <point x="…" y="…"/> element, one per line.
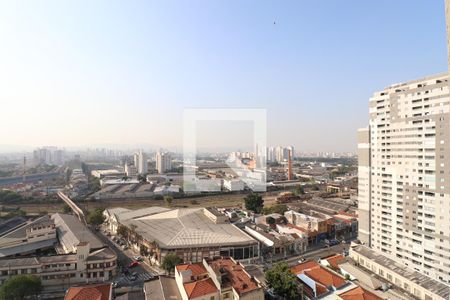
<point x="404" y="175"/>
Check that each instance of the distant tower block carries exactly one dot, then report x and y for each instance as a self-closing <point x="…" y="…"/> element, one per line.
<point x="290" y="176"/>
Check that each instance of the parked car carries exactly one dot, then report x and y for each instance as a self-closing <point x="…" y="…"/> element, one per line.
<point x="137" y="258"/>
<point x="134" y="274"/>
<point x="115" y="284"/>
<point x="334" y="242"/>
<point x="133" y="264"/>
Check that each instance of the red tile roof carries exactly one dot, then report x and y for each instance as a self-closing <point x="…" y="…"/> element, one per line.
<point x="319" y="274"/>
<point x="233" y="274"/>
<point x="335" y="260"/>
<point x="197" y="268"/>
<point x="89" y="292"/>
<point x="325" y="277"/>
<point x="200" y="288"/>
<point x="320" y="290"/>
<point x="298" y="269"/>
<point x="358" y="293"/>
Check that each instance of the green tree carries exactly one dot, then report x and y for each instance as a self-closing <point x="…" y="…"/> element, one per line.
<point x="170" y="261"/>
<point x="10" y="196"/>
<point x="93" y="184"/>
<point x="143" y="250"/>
<point x="96" y="217"/>
<point x="254" y="202"/>
<point x="299" y="190"/>
<point x="142" y="178"/>
<point x="15" y="213"/>
<point x="282" y="281"/>
<point x="158" y="197"/>
<point x="66" y="209"/>
<point x="122" y="231"/>
<point x="20" y="287"/>
<point x="277" y="208"/>
<point x="169" y="200"/>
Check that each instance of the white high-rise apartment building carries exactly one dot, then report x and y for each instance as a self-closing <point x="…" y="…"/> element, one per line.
<point x="49" y="155"/>
<point x="163" y="162"/>
<point x="142" y="164"/>
<point x="404" y="175"/>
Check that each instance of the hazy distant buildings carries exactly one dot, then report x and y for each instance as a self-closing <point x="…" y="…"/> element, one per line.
<point x="404" y="175"/>
<point x="48" y="155"/>
<point x="130" y="170"/>
<point x="142" y="164"/>
<point x="279" y="153"/>
<point x="163" y="162"/>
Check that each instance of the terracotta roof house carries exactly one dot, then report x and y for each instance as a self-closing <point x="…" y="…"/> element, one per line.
<point x="90" y="292"/>
<point x="217" y="278"/>
<point x="317" y="280"/>
<point x="333" y="261"/>
<point x="358" y="293"/>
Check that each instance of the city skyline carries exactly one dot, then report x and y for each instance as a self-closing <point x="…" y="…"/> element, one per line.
<point x="101" y="80"/>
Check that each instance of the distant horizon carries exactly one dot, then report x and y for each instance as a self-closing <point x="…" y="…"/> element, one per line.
<point x="5" y="149"/>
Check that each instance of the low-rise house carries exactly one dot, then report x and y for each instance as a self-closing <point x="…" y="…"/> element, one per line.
<point x="345" y="226"/>
<point x="90" y="292"/>
<point x="357" y="293"/>
<point x="217" y="278"/>
<point x="318" y="281"/>
<point x="270" y="219"/>
<point x="161" y="288"/>
<point x="309" y="223"/>
<point x="332" y="261"/>
<point x="277" y="244"/>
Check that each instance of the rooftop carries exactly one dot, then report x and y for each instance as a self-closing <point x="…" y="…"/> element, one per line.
<point x="318" y="274"/>
<point x="234" y="275"/>
<point x="186" y="227"/>
<point x="10" y="224"/>
<point x="124" y="214"/>
<point x="89" y="292"/>
<point x="200" y="288"/>
<point x="196" y="269"/>
<point x="71" y="232"/>
<point x="162" y="288"/>
<point x="20" y="232"/>
<point x="358" y="293"/>
<point x="335" y="260"/>
<point x="426" y="282"/>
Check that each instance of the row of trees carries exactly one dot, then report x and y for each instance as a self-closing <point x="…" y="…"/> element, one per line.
<point x="10" y="197"/>
<point x="21" y="287"/>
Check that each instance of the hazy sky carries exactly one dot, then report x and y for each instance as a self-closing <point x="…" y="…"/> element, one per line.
<point x="121" y="72"/>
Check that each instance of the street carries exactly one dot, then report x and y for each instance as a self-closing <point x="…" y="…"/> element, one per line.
<point x="137" y="275"/>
